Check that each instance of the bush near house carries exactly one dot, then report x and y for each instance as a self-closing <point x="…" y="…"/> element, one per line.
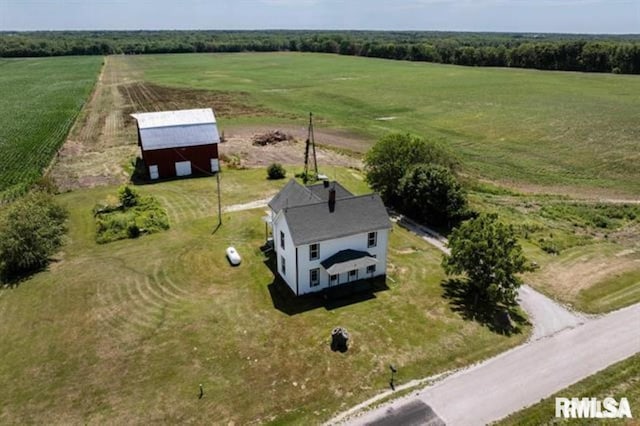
<point x="276" y="171"/>
<point x="31" y="230"/>
<point x="129" y="217"/>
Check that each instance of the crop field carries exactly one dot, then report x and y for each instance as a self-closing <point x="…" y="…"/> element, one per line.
<point x="571" y="133"/>
<point x="40" y="101"/>
<point x="125" y="332"/>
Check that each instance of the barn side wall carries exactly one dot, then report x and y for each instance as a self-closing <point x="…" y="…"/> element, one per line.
<point x="200" y="157"/>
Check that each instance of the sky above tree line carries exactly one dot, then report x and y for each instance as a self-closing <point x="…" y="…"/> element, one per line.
<point x="558" y="16"/>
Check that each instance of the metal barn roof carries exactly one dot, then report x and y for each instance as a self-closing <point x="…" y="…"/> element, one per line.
<point x="177" y="129"/>
<point x="183" y="117"/>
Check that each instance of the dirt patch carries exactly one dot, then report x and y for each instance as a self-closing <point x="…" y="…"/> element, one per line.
<point x="148" y="97"/>
<point x="100" y="144"/>
<point x="239" y="145"/>
<point x="271" y="138"/>
<point x="569" y="276"/>
<point x="341" y="140"/>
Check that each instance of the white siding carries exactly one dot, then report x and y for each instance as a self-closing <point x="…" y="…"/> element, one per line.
<point x="289" y="252"/>
<point x="329" y="248"/>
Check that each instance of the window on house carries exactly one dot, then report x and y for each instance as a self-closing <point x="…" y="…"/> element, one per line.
<point x="333" y="279"/>
<point x="283" y="265"/>
<point x="372" y="239"/>
<point x="353" y="275"/>
<point x="282" y="239"/>
<point x="371" y="269"/>
<point x="314" y="277"/>
<point x="314" y="252"/>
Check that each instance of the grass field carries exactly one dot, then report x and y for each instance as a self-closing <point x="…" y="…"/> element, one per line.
<point x="566" y="132"/>
<point x="617" y="381"/>
<point x="125" y="332"/>
<point x="40" y="101"/>
<point x="588" y="256"/>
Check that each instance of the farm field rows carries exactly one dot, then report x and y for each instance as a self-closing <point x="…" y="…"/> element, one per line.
<point x="562" y="132"/>
<point x="125" y="332"/>
<point x="40" y="101"/>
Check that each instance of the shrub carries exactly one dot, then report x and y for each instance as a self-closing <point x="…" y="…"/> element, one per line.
<point x="276" y="171"/>
<point x="133" y="231"/>
<point x="31" y="230"/>
<point x="114" y="223"/>
<point x="128" y="196"/>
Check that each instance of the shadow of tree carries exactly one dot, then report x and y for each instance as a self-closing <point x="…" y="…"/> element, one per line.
<point x="502" y="319"/>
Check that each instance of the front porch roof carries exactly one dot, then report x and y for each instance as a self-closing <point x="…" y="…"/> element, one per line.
<point x="348" y="260"/>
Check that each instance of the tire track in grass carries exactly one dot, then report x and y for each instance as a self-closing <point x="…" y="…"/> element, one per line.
<point x="182" y="208"/>
<point x="139" y="306"/>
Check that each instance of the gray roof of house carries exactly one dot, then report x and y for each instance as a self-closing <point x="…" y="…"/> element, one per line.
<point x="354" y="215"/>
<point x="306" y="209"/>
<point x="293" y="194"/>
<point x="322" y="192"/>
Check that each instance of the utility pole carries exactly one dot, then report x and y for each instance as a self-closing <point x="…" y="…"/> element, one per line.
<point x="311" y="144"/>
<point x="219" y="201"/>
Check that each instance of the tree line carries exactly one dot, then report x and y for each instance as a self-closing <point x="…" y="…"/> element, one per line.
<point x="591" y="53"/>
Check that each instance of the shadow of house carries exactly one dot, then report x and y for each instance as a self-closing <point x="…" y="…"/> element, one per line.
<point x="499" y="318"/>
<point x="285" y="300"/>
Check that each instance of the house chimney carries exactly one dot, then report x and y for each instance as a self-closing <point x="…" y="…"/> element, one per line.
<point x="332" y="199"/>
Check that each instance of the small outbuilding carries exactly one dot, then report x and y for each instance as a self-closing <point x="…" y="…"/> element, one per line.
<point x="178" y="143"/>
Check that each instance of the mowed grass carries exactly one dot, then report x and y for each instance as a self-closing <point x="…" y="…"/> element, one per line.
<point x="621" y="289"/>
<point x="40" y="101"/>
<point x="566" y="131"/>
<point x="619" y="380"/>
<point x="125" y="332"/>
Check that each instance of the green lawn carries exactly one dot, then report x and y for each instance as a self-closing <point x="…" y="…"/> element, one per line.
<point x="124" y="332"/>
<point x="617" y="381"/>
<point x="555" y="129"/>
<point x="40" y="101"/>
<point x="621" y="289"/>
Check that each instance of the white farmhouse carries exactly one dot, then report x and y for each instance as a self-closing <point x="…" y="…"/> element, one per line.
<point x="325" y="236"/>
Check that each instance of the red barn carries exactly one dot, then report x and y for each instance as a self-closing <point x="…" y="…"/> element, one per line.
<point x="178" y="143"/>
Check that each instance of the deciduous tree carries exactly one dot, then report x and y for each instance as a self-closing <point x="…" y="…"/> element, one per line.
<point x="488" y="252"/>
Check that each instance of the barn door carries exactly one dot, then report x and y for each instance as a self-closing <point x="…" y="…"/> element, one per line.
<point x="183" y="168"/>
<point x="215" y="165"/>
<point x="153" y="172"/>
